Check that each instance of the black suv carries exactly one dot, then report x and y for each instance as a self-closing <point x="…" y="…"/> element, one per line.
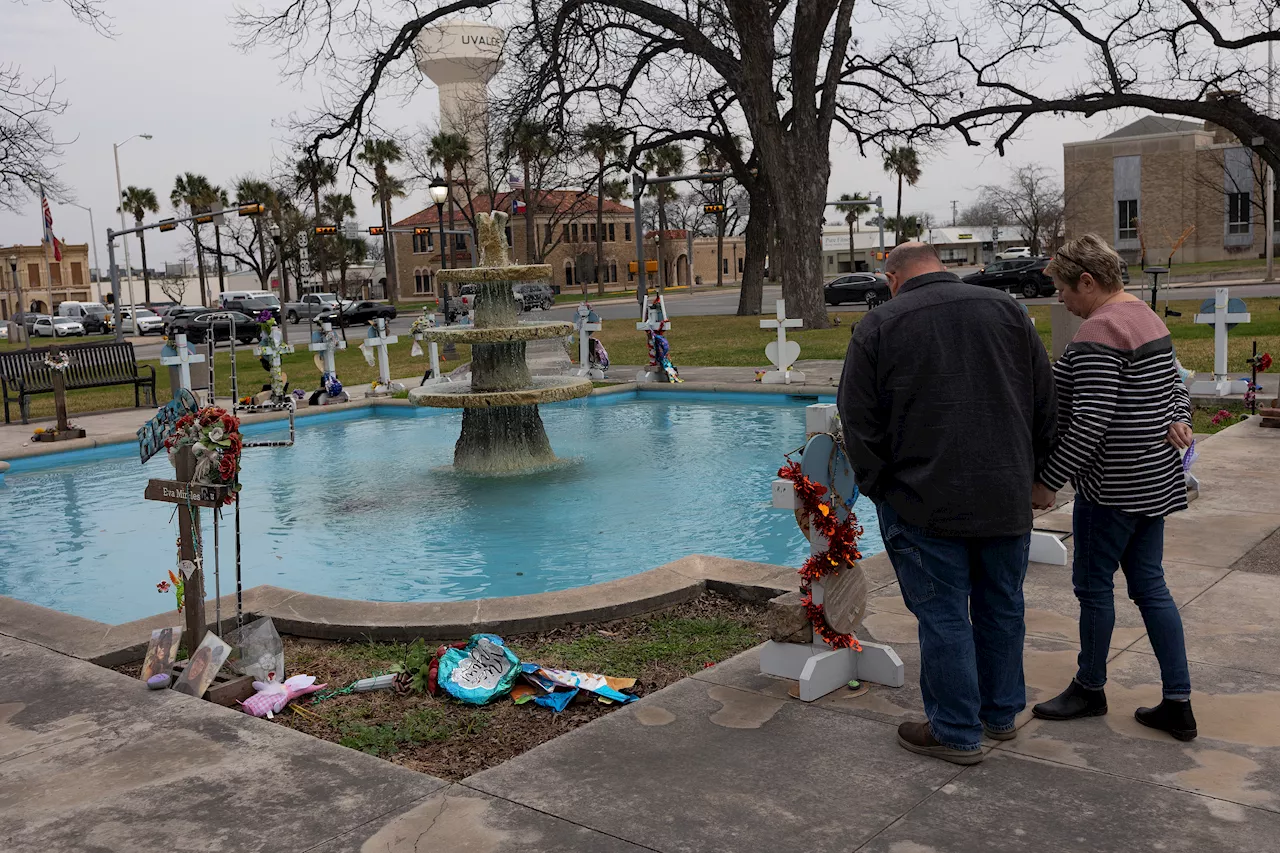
<point x="868" y="287"/>
<point x="536" y="296"/>
<point x="1016" y="275"/>
<point x="252" y="307"/>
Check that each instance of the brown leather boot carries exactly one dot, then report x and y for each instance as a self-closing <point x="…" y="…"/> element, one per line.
<point x="917" y="738"/>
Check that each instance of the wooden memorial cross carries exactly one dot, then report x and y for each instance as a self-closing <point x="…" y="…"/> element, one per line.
<point x="1226" y="314"/>
<point x="63" y="431"/>
<point x="380" y="340"/>
<point x="585" y="327"/>
<point x="782" y="352"/>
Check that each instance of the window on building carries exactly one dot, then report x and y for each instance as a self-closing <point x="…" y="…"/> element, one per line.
<point x="568" y="274"/>
<point x="77" y="274"/>
<point x="1128" y="219"/>
<point x="739" y="264"/>
<point x="564" y="234"/>
<point x="460" y="242"/>
<point x="613" y="271"/>
<point x="421" y="281"/>
<point x="613" y="238"/>
<point x="423" y="243"/>
<point x="725" y="268"/>
<point x="593" y="232"/>
<point x="55" y="275"/>
<point x="573" y="231"/>
<point x="626" y="231"/>
<point x="548" y="238"/>
<point x="1238" y="213"/>
<point x="33" y="276"/>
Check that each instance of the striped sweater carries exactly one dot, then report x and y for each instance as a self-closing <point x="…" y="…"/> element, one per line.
<point x="1118" y="393"/>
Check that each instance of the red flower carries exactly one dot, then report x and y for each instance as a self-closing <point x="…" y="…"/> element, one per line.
<point x="227" y="467"/>
<point x="163" y="586"/>
<point x="1264" y="362"/>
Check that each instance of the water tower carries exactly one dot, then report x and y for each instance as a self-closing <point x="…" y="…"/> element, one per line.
<point x="461" y="59"/>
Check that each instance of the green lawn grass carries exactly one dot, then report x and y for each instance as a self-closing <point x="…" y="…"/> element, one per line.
<point x="1244" y="266"/>
<point x="36" y="343"/>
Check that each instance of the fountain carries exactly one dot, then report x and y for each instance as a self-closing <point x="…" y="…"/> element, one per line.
<point x="502" y="430"/>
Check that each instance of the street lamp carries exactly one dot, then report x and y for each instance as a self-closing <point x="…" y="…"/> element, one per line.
<point x="115" y="150"/>
<point x="17" y="287"/>
<point x="94" y="233"/>
<point x="439" y="190"/>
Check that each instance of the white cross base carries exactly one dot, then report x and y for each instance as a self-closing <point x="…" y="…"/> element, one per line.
<point x="380" y="342"/>
<point x="653" y="322"/>
<point x="328" y="344"/>
<point x="782" y="353"/>
<point x="1221" y="385"/>
<point x="183" y="359"/>
<point x="585" y="328"/>
<point x="819" y="668"/>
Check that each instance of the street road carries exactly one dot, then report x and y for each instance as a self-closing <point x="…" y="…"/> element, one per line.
<point x="706" y="301"/>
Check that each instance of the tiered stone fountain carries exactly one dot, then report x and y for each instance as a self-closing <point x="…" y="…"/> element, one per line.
<point x="502" y="430"/>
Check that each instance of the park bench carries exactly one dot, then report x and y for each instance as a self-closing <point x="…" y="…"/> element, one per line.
<point x="98" y="365"/>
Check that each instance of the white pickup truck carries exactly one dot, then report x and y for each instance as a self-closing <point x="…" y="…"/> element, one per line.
<point x="309" y="306"/>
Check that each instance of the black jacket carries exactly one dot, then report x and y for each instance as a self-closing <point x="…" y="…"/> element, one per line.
<point x="948" y="408"/>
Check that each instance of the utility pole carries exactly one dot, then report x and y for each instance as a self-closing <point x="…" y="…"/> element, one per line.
<point x="880" y="220"/>
<point x="954" y="202"/>
<point x="1271" y="173"/>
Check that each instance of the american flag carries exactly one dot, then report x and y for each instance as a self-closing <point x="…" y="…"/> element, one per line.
<point x="516" y="182"/>
<point x="48" y="226"/>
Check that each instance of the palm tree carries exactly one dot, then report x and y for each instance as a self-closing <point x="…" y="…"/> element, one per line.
<point x="334" y="208"/>
<point x="903" y="161"/>
<point x="312" y="174"/>
<point x="379" y="153"/>
<point x="663" y="161"/>
<point x="448" y="151"/>
<point x="529" y="142"/>
<point x="859" y="204"/>
<point x="250" y="190"/>
<point x="196" y="194"/>
<point x="139" y="201"/>
<point x="604" y="142"/>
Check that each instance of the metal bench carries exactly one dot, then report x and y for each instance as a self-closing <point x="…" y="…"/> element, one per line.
<point x="100" y="365"/>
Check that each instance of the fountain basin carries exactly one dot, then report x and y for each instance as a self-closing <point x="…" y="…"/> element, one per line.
<point x="458" y="395"/>
<point x="534" y="331"/>
<point x="512" y="273"/>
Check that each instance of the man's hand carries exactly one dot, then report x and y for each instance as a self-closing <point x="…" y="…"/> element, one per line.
<point x="1180" y="435"/>
<point x="1042" y="497"/>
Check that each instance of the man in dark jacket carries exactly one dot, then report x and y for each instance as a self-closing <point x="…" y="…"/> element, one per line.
<point x="948" y="410"/>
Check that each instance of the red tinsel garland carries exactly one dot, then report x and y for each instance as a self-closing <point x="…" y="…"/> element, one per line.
<point x="842" y="550"/>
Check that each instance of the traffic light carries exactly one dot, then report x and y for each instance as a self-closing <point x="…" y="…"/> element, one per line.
<point x="326" y="229"/>
<point x="376" y="230"/>
<point x="167" y="225"/>
<point x="252" y="208"/>
<point x="421" y="231"/>
<point x="711" y="177"/>
<point x="204" y="219"/>
<point x="713" y="208"/>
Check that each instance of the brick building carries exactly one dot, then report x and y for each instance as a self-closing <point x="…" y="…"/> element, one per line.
<point x="1150" y="181"/>
<point x="565" y="224"/>
<point x="42" y="290"/>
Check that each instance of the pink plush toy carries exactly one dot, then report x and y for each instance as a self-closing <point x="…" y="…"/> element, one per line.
<point x="272" y="696"/>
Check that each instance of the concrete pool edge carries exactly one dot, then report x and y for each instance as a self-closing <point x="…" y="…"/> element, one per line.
<point x="622" y="389"/>
<point x="322" y="617"/>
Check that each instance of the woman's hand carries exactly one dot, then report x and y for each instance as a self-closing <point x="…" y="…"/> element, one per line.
<point x="1180" y="435"/>
<point x="1042" y="497"/>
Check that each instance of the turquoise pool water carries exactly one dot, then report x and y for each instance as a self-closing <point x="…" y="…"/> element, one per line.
<point x="366" y="507"/>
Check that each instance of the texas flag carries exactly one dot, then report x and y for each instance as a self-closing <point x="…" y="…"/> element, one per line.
<point x="48" y="226"/>
<point x="517" y="206"/>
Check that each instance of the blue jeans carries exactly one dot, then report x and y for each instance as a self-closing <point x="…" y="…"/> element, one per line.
<point x="967" y="596"/>
<point x="1106" y="539"/>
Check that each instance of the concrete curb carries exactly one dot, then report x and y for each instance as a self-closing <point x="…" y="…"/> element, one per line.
<point x="305" y="615"/>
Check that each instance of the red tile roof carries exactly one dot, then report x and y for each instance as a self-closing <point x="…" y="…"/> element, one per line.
<point x="563" y="203"/>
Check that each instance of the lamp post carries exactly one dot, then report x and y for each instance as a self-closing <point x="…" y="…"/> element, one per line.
<point x="93" y="232"/>
<point x="440" y="194"/>
<point x="17" y="287"/>
<point x="115" y="150"/>
<point x="274" y="230"/>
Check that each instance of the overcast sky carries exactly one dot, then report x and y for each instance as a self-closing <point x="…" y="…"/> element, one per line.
<point x="172" y="71"/>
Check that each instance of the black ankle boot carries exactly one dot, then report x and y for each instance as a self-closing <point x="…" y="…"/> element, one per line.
<point x="1170" y="716"/>
<point x="1073" y="703"/>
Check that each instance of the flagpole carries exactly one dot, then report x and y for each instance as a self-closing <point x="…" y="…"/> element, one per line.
<point x="47" y="235"/>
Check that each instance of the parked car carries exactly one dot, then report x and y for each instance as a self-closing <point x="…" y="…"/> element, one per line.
<point x="262" y="295"/>
<point x="145" y="323"/>
<point x="180" y="312"/>
<point x="197" y="327"/>
<point x="309" y="306"/>
<point x="1014" y="252"/>
<point x="27" y="319"/>
<point x="1016" y="275"/>
<point x="58" y="327"/>
<point x="355" y="313"/>
<point x="530" y="296"/>
<point x="91" y="315"/>
<point x="253" y="307"/>
<point x="871" y="288"/>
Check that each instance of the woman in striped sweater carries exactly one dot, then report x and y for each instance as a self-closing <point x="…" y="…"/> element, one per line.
<point x="1124" y="416"/>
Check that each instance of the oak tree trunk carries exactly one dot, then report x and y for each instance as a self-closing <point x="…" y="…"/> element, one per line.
<point x="751" y="295"/>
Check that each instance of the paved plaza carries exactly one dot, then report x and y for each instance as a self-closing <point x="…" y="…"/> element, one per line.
<point x="724" y="761"/>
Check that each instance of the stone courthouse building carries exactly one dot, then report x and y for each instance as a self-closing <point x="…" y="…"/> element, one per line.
<point x="565" y="226"/>
<point x="1147" y="183"/>
<point x="43" y="287"/>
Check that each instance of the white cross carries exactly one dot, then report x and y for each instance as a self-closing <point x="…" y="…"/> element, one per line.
<point x="273" y="349"/>
<point x="655" y="320"/>
<point x="327" y="343"/>
<point x="782" y="352"/>
<point x="1221" y="317"/>
<point x="585" y="327"/>
<point x="183" y="357"/>
<point x="380" y="341"/>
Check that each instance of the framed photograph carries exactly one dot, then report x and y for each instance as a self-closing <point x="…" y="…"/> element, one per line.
<point x="162" y="651"/>
<point x="203" y="666"/>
